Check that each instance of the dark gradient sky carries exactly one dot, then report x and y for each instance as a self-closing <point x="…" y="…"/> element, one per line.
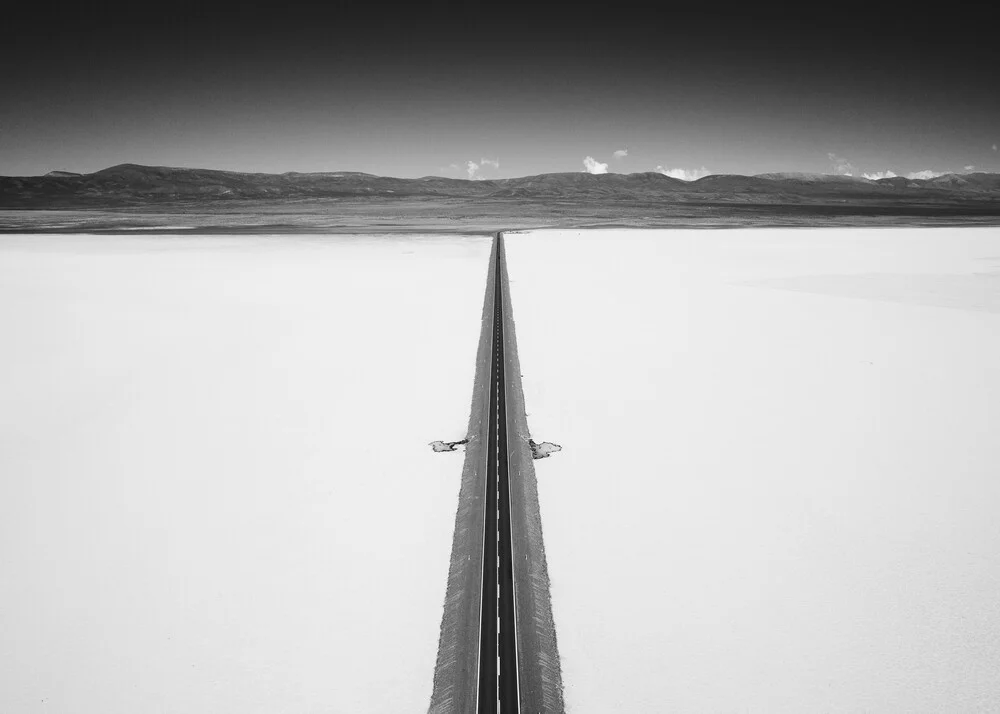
<point x="413" y="92"/>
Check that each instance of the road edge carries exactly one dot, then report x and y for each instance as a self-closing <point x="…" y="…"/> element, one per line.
<point x="540" y="675"/>
<point x="456" y="678"/>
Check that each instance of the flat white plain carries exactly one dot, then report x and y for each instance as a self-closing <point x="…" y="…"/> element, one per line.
<point x="776" y="492"/>
<point x="217" y="494"/>
<point x="778" y="486"/>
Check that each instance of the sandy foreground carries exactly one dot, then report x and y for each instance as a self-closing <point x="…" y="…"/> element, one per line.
<point x="217" y="494"/>
<point x="778" y="486"/>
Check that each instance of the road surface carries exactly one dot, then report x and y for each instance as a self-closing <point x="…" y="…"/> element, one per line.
<point x="497" y="651"/>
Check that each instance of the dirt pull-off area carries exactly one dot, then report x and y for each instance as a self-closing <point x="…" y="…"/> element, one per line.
<point x="543" y="450"/>
<point x="447" y="445"/>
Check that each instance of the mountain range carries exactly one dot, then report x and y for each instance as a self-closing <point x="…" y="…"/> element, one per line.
<point x="136" y="185"/>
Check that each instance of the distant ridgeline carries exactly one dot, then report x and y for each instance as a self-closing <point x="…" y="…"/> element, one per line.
<point x="130" y="184"/>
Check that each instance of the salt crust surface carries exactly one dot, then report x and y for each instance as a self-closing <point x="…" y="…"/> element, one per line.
<point x="777" y="490"/>
<point x="217" y="493"/>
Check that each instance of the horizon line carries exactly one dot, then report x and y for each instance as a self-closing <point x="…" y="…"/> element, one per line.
<point x="767" y="175"/>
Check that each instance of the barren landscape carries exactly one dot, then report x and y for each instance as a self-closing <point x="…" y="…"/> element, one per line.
<point x="775" y="470"/>
<point x="170" y="200"/>
<point x="499" y="358"/>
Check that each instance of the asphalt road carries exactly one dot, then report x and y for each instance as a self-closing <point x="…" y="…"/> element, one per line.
<point x="498" y="686"/>
<point x="497" y="652"/>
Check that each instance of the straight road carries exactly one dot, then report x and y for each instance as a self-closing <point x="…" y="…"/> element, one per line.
<point x="498" y="685"/>
<point x="497" y="652"/>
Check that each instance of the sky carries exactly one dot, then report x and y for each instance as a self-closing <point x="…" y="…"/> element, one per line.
<point x="467" y="89"/>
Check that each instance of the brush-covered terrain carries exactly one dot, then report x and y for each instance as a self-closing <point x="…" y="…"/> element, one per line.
<point x="133" y="197"/>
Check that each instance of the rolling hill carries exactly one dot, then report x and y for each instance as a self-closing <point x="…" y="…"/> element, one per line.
<point x="132" y="184"/>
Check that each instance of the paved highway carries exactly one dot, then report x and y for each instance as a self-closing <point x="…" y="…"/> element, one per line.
<point x="498" y="686"/>
<point x="497" y="652"/>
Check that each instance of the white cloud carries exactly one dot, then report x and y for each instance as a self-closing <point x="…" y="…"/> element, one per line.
<point x="593" y="166"/>
<point x="475" y="170"/>
<point x="879" y="175"/>
<point x="970" y="168"/>
<point x="925" y="174"/>
<point x="621" y="153"/>
<point x="684" y="174"/>
<point x="994" y="147"/>
<point x="841" y="166"/>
